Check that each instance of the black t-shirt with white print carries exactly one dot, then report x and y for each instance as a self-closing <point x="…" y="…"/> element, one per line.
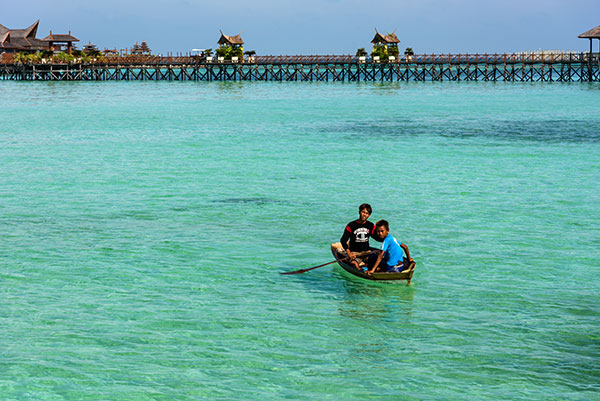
<point x="358" y="234"/>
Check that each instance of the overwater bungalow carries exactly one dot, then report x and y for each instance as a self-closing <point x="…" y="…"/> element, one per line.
<point x="60" y="42"/>
<point x="90" y="47"/>
<point x="385" y="46"/>
<point x="230" y="47"/>
<point x="24" y="40"/>
<point x="141" y="49"/>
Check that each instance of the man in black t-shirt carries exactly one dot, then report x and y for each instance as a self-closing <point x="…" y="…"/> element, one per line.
<point x="356" y="234"/>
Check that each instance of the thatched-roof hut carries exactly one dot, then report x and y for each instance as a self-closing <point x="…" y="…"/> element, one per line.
<point x="593" y="33"/>
<point x="390" y="38"/>
<point x="235" y="40"/>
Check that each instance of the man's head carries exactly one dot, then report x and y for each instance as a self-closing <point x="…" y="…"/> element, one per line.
<point x="364" y="211"/>
<point x="382" y="228"/>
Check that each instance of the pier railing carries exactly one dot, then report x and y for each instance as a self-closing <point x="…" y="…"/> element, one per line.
<point x="496" y="58"/>
<point x="306" y="59"/>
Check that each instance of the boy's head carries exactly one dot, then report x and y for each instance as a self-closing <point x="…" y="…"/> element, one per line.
<point x="364" y="211"/>
<point x="382" y="227"/>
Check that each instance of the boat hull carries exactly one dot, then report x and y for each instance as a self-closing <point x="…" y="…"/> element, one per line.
<point x="376" y="276"/>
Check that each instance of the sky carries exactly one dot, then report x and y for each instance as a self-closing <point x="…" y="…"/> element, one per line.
<point x="316" y="26"/>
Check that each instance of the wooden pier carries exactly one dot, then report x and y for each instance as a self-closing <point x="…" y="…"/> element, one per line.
<point x="562" y="67"/>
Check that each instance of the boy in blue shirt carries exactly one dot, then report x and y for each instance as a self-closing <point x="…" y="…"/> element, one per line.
<point x="390" y="259"/>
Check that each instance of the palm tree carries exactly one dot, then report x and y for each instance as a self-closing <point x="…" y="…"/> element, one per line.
<point x="19" y="58"/>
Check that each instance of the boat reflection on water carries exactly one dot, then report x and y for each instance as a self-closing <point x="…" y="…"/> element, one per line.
<point x="379" y="300"/>
<point x="360" y="299"/>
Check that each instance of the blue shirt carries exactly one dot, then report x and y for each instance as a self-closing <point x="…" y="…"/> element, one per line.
<point x="393" y="251"/>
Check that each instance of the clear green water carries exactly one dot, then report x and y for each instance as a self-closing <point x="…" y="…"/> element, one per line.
<point x="143" y="227"/>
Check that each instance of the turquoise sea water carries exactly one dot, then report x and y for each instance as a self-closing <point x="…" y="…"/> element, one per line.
<point x="143" y="227"/>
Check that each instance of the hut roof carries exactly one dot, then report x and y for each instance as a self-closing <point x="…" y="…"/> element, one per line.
<point x="28" y="32"/>
<point x="21" y="39"/>
<point x="144" y="46"/>
<point x="593" y="33"/>
<point x="389" y="38"/>
<point x="231" y="40"/>
<point x="60" y="37"/>
<point x="7" y="44"/>
<point x="90" y="46"/>
<point x="141" y="48"/>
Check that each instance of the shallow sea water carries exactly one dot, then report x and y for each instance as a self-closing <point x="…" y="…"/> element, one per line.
<point x="143" y="227"/>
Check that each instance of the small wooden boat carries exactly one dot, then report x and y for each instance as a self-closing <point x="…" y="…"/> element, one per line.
<point x="339" y="254"/>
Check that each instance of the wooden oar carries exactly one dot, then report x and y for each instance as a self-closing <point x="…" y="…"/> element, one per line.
<point x="311" y="268"/>
<point x="325" y="264"/>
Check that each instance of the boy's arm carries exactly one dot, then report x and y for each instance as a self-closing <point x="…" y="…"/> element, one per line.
<point x="403" y="246"/>
<point x="377" y="262"/>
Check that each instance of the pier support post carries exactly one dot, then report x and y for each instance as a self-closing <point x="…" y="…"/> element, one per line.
<point x="590" y="75"/>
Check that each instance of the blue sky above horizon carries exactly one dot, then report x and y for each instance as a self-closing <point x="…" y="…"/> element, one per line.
<point x="317" y="27"/>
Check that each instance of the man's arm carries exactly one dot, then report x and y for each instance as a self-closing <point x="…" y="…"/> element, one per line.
<point x="375" y="236"/>
<point x="344" y="240"/>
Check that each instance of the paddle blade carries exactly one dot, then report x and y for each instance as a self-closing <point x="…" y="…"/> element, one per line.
<point x="296" y="272"/>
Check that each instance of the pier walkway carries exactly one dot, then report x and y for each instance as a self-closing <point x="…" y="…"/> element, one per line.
<point x="559" y="67"/>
